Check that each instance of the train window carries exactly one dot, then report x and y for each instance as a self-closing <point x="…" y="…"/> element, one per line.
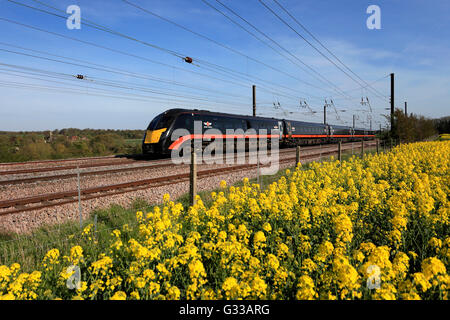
<point x="229" y="123"/>
<point x="184" y="121"/>
<point x="164" y="122"/>
<point x="154" y="122"/>
<point x="221" y="124"/>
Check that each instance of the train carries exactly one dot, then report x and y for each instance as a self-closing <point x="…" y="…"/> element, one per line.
<point x="158" y="140"/>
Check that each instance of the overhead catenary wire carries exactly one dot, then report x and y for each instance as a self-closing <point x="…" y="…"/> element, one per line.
<point x="126" y="72"/>
<point x="143" y="89"/>
<point x="255" y="28"/>
<point x="323" y="46"/>
<point x="307" y="41"/>
<point x="315" y="74"/>
<point x="106" y="93"/>
<point x="218" y="43"/>
<point x="95" y="66"/>
<point x="239" y="84"/>
<point x="104" y="82"/>
<point x="111" y="31"/>
<point x="212" y="66"/>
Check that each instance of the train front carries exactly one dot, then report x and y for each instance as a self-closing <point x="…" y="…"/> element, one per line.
<point x="155" y="142"/>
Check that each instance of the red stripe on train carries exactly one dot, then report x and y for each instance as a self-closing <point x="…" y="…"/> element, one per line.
<point x="175" y="145"/>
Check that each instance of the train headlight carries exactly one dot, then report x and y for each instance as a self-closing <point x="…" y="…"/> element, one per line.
<point x="153" y="136"/>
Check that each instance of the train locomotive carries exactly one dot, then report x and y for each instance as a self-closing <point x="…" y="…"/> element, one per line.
<point x="158" y="141"/>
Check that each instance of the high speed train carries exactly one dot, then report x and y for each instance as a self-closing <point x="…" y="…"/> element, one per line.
<point x="158" y="136"/>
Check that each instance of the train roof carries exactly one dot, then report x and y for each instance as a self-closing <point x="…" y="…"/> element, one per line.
<point x="213" y="113"/>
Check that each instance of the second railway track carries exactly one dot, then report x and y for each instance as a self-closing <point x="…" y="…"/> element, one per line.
<point x="154" y="165"/>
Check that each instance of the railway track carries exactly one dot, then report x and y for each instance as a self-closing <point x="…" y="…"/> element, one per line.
<point x="155" y="164"/>
<point x="71" y="167"/>
<point x="12" y="164"/>
<point x="48" y="200"/>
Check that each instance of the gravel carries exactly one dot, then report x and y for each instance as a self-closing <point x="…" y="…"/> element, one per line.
<point x="27" y="221"/>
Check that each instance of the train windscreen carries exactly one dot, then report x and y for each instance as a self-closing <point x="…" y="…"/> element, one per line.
<point x="161" y="121"/>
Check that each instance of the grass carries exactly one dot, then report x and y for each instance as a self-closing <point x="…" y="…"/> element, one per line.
<point x="28" y="250"/>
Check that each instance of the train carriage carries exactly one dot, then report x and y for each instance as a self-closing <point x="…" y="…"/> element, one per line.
<point x="189" y="125"/>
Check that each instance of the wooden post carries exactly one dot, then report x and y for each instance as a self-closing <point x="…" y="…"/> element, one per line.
<point x="193" y="178"/>
<point x="297" y="156"/>
<point x="340" y="151"/>
<point x="378" y="146"/>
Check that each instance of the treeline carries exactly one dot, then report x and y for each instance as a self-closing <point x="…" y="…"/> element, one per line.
<point x="411" y="127"/>
<point x="442" y="125"/>
<point x="67" y="143"/>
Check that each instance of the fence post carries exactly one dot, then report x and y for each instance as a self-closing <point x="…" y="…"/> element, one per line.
<point x="378" y="146"/>
<point x="79" y="197"/>
<point x="340" y="152"/>
<point x="193" y="178"/>
<point x="297" y="156"/>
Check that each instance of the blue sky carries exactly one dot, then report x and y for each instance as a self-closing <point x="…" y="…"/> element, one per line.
<point x="413" y="43"/>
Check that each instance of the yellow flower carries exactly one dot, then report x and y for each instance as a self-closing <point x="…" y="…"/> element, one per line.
<point x="432" y="267"/>
<point x="166" y="197"/>
<point x="258" y="287"/>
<point x="119" y="295"/>
<point x="7" y="296"/>
<point x="153" y="288"/>
<point x="272" y="261"/>
<point x="421" y="281"/>
<point x="231" y="288"/>
<point x="51" y="259"/>
<point x="267" y="227"/>
<point x="173" y="293"/>
<point x="305" y="289"/>
<point x="259" y="237"/>
<point x="196" y="269"/>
